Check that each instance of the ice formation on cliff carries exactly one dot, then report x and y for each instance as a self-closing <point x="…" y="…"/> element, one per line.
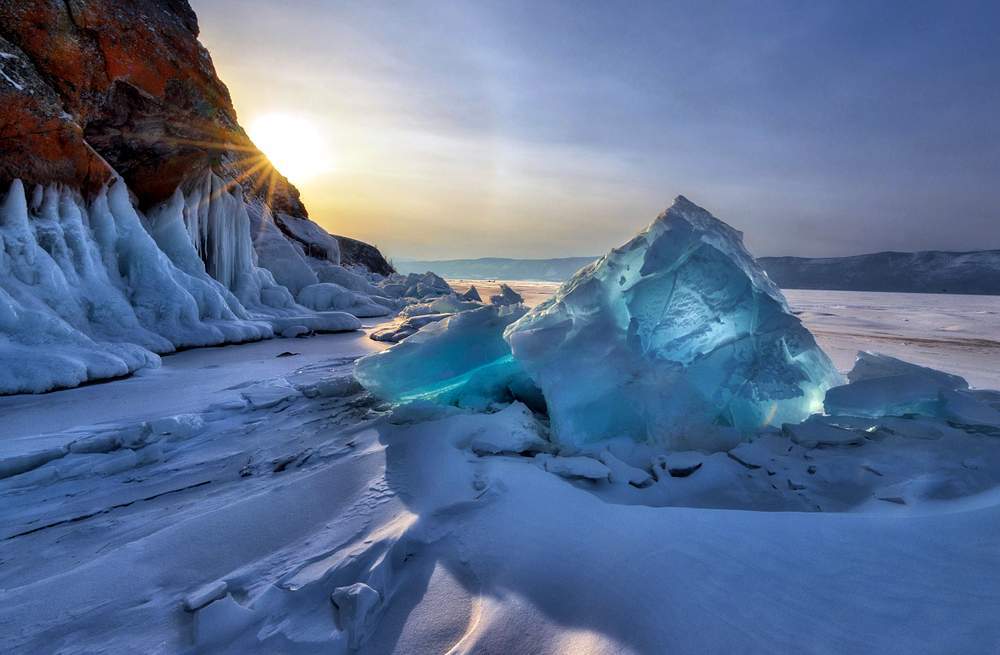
<point x="97" y="290"/>
<point x="677" y="330"/>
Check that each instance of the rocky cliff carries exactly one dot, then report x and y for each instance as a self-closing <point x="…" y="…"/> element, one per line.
<point x="91" y="89"/>
<point x="136" y="217"/>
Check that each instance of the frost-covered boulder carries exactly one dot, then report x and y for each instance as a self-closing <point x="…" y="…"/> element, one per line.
<point x="675" y="331"/>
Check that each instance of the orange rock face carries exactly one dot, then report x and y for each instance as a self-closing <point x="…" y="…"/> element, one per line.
<point x="94" y="85"/>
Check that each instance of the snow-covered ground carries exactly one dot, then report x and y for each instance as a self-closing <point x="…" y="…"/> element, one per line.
<point x="237" y="501"/>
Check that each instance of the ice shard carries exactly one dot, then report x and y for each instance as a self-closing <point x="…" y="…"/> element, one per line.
<point x="669" y="337"/>
<point x="462" y="360"/>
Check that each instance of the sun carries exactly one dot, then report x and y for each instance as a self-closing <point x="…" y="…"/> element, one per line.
<point x="293" y="143"/>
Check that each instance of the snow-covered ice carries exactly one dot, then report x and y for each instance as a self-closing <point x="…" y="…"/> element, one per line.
<point x="257" y="499"/>
<point x="328" y="521"/>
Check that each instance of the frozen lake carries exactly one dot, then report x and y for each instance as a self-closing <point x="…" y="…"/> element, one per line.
<point x="954" y="333"/>
<point x="230" y="528"/>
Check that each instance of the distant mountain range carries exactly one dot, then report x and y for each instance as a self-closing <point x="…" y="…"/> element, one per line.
<point x="932" y="271"/>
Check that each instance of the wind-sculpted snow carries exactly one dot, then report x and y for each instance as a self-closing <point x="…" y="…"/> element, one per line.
<point x="97" y="290"/>
<point x="677" y="331"/>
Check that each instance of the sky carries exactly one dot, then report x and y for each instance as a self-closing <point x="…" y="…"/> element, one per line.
<point x="548" y="129"/>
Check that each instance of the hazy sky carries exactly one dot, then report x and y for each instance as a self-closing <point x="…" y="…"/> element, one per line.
<point x="538" y="129"/>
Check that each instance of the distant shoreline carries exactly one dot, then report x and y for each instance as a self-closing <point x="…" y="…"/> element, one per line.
<point x="931" y="272"/>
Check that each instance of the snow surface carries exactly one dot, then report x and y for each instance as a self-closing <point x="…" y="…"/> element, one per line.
<point x="326" y="521"/>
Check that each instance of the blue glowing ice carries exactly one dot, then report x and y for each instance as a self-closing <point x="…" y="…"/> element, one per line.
<point x="675" y="338"/>
<point x="669" y="337"/>
<point x="462" y="360"/>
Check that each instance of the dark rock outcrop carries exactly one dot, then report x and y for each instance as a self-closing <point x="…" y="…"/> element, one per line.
<point x="359" y="253"/>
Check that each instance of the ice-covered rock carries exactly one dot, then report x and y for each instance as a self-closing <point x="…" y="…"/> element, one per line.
<point x="332" y="387"/>
<point x="462" y="360"/>
<point x="507" y="296"/>
<point x="676" y="330"/>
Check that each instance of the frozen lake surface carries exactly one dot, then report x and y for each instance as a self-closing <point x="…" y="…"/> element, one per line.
<point x="950" y="332"/>
<point x="239" y="501"/>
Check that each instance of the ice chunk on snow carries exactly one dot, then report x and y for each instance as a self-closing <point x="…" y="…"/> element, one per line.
<point x="462" y="360"/>
<point x="677" y="329"/>
<point x="623" y="473"/>
<point x="512" y="430"/>
<point x="449" y="304"/>
<point x="269" y="393"/>
<point x="869" y="366"/>
<point x="416" y="285"/>
<point x="472" y="294"/>
<point x="332" y="387"/>
<point x="584" y="468"/>
<point x="965" y="408"/>
<point x="397" y="332"/>
<point x="816" y="431"/>
<point x="885" y="386"/>
<point x="507" y="296"/>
